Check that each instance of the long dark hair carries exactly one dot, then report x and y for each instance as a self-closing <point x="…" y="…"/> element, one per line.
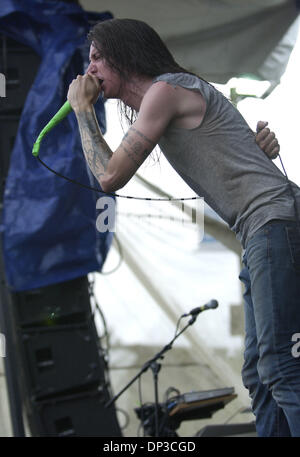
<point x="132" y="47"/>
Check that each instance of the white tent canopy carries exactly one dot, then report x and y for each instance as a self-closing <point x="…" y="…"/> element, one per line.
<point x="218" y="39"/>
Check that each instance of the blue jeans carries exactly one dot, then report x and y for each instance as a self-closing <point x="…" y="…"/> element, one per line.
<point x="271" y="370"/>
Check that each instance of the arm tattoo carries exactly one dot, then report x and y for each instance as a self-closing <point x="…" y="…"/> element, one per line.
<point x="136" y="151"/>
<point x="95" y="148"/>
<point x="143" y="136"/>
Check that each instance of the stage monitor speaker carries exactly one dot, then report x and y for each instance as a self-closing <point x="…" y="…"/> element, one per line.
<point x="82" y="414"/>
<point x="61" y="303"/>
<point x="229" y="430"/>
<point x="61" y="358"/>
<point x="63" y="371"/>
<point x="59" y="348"/>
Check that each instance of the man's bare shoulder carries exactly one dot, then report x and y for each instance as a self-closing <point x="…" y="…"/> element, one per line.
<point x="161" y="99"/>
<point x="160" y="90"/>
<point x="185" y="108"/>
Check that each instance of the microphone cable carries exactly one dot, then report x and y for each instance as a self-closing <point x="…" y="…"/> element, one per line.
<point x="112" y="194"/>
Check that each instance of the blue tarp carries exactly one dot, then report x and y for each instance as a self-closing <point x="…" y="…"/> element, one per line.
<point x="49" y="225"/>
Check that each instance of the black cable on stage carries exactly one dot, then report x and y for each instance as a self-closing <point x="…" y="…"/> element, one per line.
<point x="111" y="194"/>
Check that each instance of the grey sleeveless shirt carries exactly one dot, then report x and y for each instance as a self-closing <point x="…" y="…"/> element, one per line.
<point x="221" y="162"/>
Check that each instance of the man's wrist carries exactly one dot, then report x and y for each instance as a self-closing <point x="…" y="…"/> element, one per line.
<point x="88" y="108"/>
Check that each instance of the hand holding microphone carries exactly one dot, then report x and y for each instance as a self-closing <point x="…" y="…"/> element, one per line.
<point x="83" y="91"/>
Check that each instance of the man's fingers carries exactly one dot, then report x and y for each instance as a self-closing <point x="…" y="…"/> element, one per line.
<point x="94" y="78"/>
<point x="263" y="135"/>
<point x="271" y="148"/>
<point x="272" y="155"/>
<point x="266" y="140"/>
<point x="260" y="125"/>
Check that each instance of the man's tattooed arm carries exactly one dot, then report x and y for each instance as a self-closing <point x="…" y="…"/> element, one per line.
<point x="96" y="150"/>
<point x="112" y="170"/>
<point x="136" y="145"/>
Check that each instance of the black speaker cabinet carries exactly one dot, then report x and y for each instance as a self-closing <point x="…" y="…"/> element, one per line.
<point x="82" y="414"/>
<point x="61" y="358"/>
<point x="62" y="303"/>
<point x="59" y="347"/>
<point x="63" y="369"/>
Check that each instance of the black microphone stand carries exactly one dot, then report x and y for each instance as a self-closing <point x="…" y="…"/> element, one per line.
<point x="155" y="367"/>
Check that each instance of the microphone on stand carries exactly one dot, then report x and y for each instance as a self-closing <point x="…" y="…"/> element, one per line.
<point x="212" y="304"/>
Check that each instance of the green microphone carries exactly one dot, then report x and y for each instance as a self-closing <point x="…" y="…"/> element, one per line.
<point x="59" y="116"/>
